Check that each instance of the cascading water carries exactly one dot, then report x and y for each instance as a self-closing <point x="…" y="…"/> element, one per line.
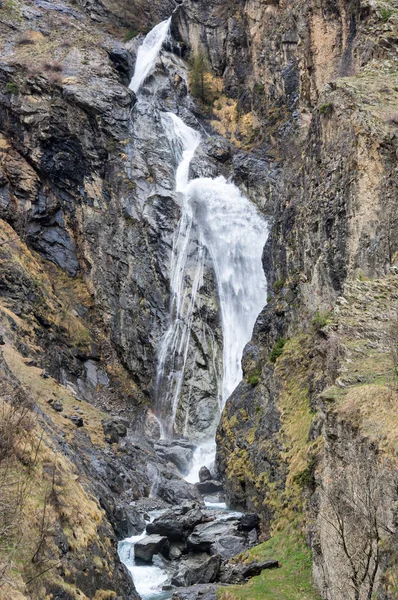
<point x="231" y="230"/>
<point x="220" y="223"/>
<point x="218" y="226"/>
<point x="148" y="53"/>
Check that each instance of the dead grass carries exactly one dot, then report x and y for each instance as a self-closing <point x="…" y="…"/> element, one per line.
<point x="43" y="390"/>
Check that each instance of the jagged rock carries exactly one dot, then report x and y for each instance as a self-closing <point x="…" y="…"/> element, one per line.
<point x="196" y="568"/>
<point x="177" y="491"/>
<point x="152" y="544"/>
<point x="249" y="521"/>
<point x="113" y="430"/>
<point x="204" y="535"/>
<point x="57" y="406"/>
<point x="196" y="592"/>
<point x="177" y="524"/>
<point x="204" y="474"/>
<point x="176" y="550"/>
<point x="76" y="420"/>
<point x="209" y="487"/>
<point x="253" y="569"/>
<point x="227" y="546"/>
<point x="180" y="456"/>
<point x="127" y="522"/>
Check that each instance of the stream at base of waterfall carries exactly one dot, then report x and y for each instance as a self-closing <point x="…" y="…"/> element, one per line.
<point x="228" y="231"/>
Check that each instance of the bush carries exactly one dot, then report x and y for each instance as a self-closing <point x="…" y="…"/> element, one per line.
<point x="12" y="88"/>
<point x="54" y="66"/>
<point x="254" y="380"/>
<point x="198" y="68"/>
<point x="385" y="14"/>
<point x="278" y="285"/>
<point x="320" y="320"/>
<point x="277" y="349"/>
<point x="130" y="35"/>
<point x="306" y="477"/>
<point x="326" y="109"/>
<point x="393" y="118"/>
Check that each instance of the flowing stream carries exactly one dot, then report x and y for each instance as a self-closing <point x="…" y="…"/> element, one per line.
<point x="225" y="227"/>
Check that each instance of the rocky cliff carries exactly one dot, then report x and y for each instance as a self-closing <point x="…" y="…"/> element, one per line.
<point x="306" y="95"/>
<point x="320" y="91"/>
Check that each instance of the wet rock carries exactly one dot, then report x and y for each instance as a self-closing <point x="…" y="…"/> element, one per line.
<point x="204" y="474"/>
<point x="123" y="62"/>
<point x="127" y="522"/>
<point x="206" y="534"/>
<point x="196" y="592"/>
<point x="176" y="491"/>
<point x="148" y="546"/>
<point x="196" y="568"/>
<point x="209" y="487"/>
<point x="249" y="521"/>
<point x="178" y="455"/>
<point x="76" y="420"/>
<point x="177" y="524"/>
<point x="228" y="546"/>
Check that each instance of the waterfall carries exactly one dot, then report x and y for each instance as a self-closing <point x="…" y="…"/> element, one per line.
<point x="220" y="226"/>
<point x="148" y="53"/>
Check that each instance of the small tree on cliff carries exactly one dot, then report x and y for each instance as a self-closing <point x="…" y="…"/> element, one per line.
<point x="199" y="67"/>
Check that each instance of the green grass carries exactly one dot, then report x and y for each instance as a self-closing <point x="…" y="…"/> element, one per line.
<point x="277" y="349"/>
<point x="292" y="581"/>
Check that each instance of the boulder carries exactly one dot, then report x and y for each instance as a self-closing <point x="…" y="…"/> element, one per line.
<point x="204" y="535"/>
<point x="196" y="592"/>
<point x="76" y="420"/>
<point x="256" y="568"/>
<point x="238" y="573"/>
<point x="148" y="546"/>
<point x="196" y="568"/>
<point x="249" y="521"/>
<point x="175" y="491"/>
<point x="228" y="546"/>
<point x="168" y="525"/>
<point x="204" y="474"/>
<point x="209" y="487"/>
<point x="57" y="405"/>
<point x="177" y="524"/>
<point x="113" y="430"/>
<point x="181" y="457"/>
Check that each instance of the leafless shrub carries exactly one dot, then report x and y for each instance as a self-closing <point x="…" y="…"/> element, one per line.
<point x="25" y="40"/>
<point x="359" y="525"/>
<point x="392" y="340"/>
<point x="54" y="66"/>
<point x="393" y="118"/>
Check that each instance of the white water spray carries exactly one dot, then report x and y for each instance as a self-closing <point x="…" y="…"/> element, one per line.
<point x="219" y="222"/>
<point x="148" y="53"/>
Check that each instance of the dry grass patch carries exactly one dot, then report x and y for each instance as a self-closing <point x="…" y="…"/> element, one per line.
<point x="43" y="390"/>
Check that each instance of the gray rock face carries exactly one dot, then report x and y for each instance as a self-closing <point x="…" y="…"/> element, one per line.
<point x="204" y="474"/>
<point x="113" y="430"/>
<point x="178" y="454"/>
<point x="209" y="487"/>
<point x="196" y="568"/>
<point x="148" y="546"/>
<point x="204" y="535"/>
<point x="228" y="546"/>
<point x="196" y="592"/>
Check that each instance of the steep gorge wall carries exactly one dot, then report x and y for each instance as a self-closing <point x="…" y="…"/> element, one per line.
<point x="319" y="81"/>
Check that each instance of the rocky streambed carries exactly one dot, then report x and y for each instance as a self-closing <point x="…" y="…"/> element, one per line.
<point x="184" y="552"/>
